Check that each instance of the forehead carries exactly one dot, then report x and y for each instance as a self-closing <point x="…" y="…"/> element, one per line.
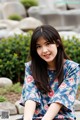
<point x="41" y="40"/>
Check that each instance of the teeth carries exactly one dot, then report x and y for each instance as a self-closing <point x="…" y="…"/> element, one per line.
<point x="47" y="56"/>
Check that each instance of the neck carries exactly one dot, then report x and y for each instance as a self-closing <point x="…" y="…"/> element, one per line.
<point x="51" y="66"/>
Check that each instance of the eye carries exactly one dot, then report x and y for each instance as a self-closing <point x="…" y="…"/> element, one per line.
<point x="48" y="43"/>
<point x="38" y="46"/>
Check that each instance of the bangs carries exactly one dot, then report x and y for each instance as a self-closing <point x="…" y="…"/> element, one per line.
<point x="46" y="34"/>
<point x="49" y="36"/>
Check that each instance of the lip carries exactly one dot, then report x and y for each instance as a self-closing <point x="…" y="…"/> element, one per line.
<point x="47" y="56"/>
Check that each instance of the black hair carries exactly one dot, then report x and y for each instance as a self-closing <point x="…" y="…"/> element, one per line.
<point x="38" y="65"/>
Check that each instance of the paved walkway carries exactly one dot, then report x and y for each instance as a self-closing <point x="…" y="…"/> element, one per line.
<point x="14" y="117"/>
<point x="77" y="115"/>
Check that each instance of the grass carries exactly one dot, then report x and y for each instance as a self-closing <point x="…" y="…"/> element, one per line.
<point x="2" y="99"/>
<point x="14" y="88"/>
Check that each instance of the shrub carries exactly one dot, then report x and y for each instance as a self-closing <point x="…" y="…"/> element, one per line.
<point x="16" y="88"/>
<point x="14" y="52"/>
<point x="29" y="3"/>
<point x="2" y="99"/>
<point x="3" y="90"/>
<point x="15" y="17"/>
<point x="72" y="48"/>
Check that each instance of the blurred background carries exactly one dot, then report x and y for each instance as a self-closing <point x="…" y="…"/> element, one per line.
<point x="18" y="19"/>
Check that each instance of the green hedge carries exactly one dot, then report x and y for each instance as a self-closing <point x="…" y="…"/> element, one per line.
<point x="14" y="52"/>
<point x="72" y="48"/>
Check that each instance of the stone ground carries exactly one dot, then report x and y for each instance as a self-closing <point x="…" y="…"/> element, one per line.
<point x="14" y="117"/>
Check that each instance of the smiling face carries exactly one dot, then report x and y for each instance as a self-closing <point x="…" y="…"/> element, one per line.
<point x="47" y="51"/>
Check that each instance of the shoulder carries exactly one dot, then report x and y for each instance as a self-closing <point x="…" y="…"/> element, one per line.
<point x="71" y="68"/>
<point x="72" y="72"/>
<point x="28" y="64"/>
<point x="69" y="64"/>
<point x="28" y="67"/>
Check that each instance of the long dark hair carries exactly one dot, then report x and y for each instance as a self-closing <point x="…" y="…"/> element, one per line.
<point x="38" y="65"/>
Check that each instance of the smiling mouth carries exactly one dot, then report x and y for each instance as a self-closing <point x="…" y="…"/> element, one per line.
<point x="47" y="56"/>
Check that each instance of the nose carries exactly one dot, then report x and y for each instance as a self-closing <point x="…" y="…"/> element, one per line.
<point x="44" y="49"/>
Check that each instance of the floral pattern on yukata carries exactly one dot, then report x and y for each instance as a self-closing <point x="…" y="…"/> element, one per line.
<point x="64" y="94"/>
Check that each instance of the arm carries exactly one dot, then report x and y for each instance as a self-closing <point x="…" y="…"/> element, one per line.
<point x="52" y="111"/>
<point x="29" y="109"/>
<point x="29" y="96"/>
<point x="65" y="94"/>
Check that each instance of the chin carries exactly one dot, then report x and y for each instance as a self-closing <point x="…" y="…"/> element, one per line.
<point x="49" y="61"/>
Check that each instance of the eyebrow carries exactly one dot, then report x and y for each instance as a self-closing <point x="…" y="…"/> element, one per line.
<point x="37" y="44"/>
<point x="44" y="42"/>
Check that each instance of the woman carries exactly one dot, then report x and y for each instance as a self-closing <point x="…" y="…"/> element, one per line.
<point x="51" y="78"/>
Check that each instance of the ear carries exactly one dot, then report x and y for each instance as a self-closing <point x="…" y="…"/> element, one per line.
<point x="58" y="43"/>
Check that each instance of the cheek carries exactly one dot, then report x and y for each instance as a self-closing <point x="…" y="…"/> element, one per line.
<point x="54" y="49"/>
<point x="38" y="52"/>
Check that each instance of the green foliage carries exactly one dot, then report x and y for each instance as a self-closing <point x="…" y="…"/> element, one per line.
<point x="14" y="52"/>
<point x="2" y="99"/>
<point x="15" y="17"/>
<point x="29" y="3"/>
<point x="3" y="91"/>
<point x="16" y="88"/>
<point x="72" y="48"/>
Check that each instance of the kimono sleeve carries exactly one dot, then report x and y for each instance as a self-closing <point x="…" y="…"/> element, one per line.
<point x="66" y="92"/>
<point x="29" y="91"/>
